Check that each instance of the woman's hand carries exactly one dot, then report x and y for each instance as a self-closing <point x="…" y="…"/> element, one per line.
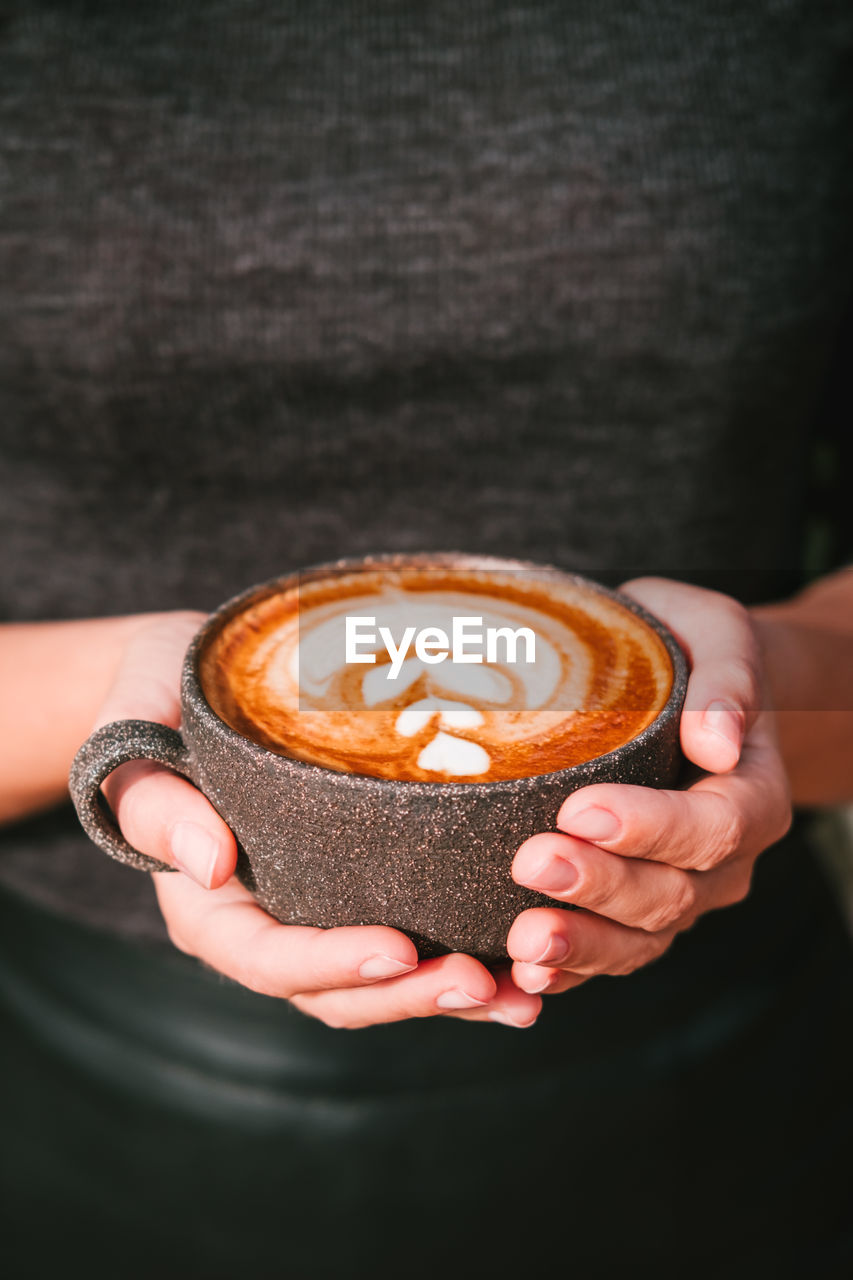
<point x="643" y="864"/>
<point x="350" y="977"/>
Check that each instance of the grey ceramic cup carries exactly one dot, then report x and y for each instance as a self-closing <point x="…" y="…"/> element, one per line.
<point x="318" y="847"/>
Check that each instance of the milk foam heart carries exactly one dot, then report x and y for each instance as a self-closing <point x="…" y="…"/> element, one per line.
<point x="596" y="677"/>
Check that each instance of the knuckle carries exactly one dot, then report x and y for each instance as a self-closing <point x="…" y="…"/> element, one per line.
<point x="654" y="948"/>
<point x="657" y="916"/>
<point x="728" y="837"/>
<point x="737" y="611"/>
<point x="687" y="896"/>
<point x="677" y="903"/>
<point x="638" y="955"/>
<point x="599" y="894"/>
<point x="738" y="615"/>
<point x="648" y="949"/>
<point x="662" y="943"/>
<point x="630" y="964"/>
<point x="742" y="675"/>
<point x="728" y="612"/>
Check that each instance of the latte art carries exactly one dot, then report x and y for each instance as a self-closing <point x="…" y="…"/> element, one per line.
<point x="407" y="707"/>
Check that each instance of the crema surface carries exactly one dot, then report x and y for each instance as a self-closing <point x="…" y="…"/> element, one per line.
<point x="569" y="674"/>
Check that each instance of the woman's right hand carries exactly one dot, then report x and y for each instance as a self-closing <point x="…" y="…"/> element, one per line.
<point x="347" y="977"/>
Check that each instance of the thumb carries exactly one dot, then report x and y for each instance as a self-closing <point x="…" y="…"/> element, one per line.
<point x="158" y="812"/>
<point x="724" y="691"/>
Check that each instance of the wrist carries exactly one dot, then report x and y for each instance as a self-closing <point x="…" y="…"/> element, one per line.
<point x="807" y="649"/>
<point x="55" y="677"/>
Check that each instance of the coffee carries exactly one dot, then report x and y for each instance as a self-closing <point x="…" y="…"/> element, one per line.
<point x="557" y="673"/>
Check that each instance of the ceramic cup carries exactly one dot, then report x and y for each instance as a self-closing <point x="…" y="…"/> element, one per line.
<point x="319" y="847"/>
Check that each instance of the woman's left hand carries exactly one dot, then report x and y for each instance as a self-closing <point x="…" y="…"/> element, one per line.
<point x="642" y="865"/>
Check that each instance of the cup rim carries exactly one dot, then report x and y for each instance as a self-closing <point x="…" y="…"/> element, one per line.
<point x="193" y="691"/>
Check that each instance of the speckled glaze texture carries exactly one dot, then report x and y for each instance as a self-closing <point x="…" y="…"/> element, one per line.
<point x="324" y="848"/>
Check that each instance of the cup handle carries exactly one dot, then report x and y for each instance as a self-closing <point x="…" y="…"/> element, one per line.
<point x="115" y="744"/>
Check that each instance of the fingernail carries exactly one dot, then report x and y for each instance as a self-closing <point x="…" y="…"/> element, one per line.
<point x="507" y="1021"/>
<point x="383" y="967"/>
<point x="456" y="999"/>
<point x="555" y="876"/>
<point x="195" y="851"/>
<point x="556" y="951"/>
<point x="592" y="824"/>
<point x="725" y="720"/>
<point x="536" y="982"/>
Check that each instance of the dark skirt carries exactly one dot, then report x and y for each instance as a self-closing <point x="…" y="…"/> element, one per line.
<point x="693" y="1120"/>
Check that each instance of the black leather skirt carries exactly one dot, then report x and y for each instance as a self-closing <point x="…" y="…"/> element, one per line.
<point x="693" y="1120"/>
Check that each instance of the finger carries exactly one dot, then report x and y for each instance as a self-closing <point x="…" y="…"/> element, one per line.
<point x="227" y="930"/>
<point x="595" y="949"/>
<point x="724" y="692"/>
<point x="230" y="932"/>
<point x="166" y="817"/>
<point x="449" y="984"/>
<point x="159" y="813"/>
<point x="716" y="819"/>
<point x="633" y="891"/>
<point x="511" y="1007"/>
<point x="592" y="944"/>
<point x="148" y="679"/>
<point x="539" y="980"/>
